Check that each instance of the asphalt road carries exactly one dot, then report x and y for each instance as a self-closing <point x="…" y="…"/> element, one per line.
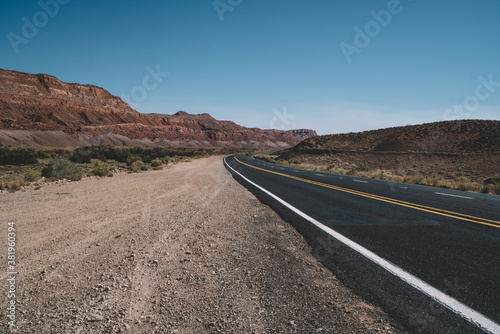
<point x="430" y="257"/>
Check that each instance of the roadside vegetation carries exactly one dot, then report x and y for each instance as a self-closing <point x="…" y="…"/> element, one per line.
<point x="20" y="167"/>
<point x="488" y="186"/>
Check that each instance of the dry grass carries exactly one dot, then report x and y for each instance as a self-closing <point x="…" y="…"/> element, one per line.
<point x="363" y="170"/>
<point x="13" y="185"/>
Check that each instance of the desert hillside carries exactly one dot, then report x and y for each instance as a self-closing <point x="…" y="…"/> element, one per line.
<point x="461" y="154"/>
<point x="91" y="115"/>
<point x="464" y="136"/>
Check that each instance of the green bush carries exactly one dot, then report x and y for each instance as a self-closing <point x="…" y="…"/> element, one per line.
<point x="17" y="156"/>
<point x="133" y="158"/>
<point x="100" y="170"/>
<point x="156" y="163"/>
<point x="122" y="155"/>
<point x="43" y="155"/>
<point x="32" y="176"/>
<point x="80" y="156"/>
<point x="135" y="166"/>
<point x="492" y="180"/>
<point x="144" y="167"/>
<point x="61" y="168"/>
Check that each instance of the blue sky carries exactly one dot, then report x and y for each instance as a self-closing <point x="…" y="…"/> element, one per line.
<point x="280" y="64"/>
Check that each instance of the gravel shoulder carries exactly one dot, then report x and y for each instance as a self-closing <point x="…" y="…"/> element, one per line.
<point x="182" y="250"/>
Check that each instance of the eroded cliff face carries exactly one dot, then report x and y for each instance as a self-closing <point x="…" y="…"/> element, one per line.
<point x="37" y="102"/>
<point x="42" y="102"/>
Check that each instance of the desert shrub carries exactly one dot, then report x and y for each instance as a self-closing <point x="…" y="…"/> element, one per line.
<point x="463" y="186"/>
<point x="486" y="188"/>
<point x="133" y="158"/>
<point x="166" y="160"/>
<point x="491" y="185"/>
<point x="43" y="154"/>
<point x="32" y="176"/>
<point x="17" y="156"/>
<point x="414" y="179"/>
<point x="144" y="167"/>
<point x="435" y="182"/>
<point x="463" y="179"/>
<point x="100" y="170"/>
<point x="331" y="167"/>
<point x="62" y="168"/>
<point x="80" y="156"/>
<point x="363" y="168"/>
<point x="492" y="180"/>
<point x="156" y="163"/>
<point x="497" y="190"/>
<point x="135" y="166"/>
<point x="15" y="185"/>
<point x="122" y="155"/>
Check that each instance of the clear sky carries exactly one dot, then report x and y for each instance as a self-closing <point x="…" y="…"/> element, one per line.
<point x="330" y="65"/>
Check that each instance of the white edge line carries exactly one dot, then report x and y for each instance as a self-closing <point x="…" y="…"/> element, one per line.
<point x="320" y="174"/>
<point x="361" y="181"/>
<point x="466" y="197"/>
<point x="451" y="303"/>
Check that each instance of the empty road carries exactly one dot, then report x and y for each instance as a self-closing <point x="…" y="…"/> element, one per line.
<point x="429" y="256"/>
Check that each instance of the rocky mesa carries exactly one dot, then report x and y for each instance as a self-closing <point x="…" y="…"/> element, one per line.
<point x="87" y="114"/>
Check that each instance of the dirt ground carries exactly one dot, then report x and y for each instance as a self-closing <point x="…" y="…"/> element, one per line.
<point x="182" y="250"/>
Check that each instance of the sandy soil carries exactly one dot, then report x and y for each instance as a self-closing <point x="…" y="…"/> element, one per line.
<point x="182" y="250"/>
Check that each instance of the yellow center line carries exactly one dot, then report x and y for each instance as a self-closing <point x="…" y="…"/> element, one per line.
<point x="437" y="211"/>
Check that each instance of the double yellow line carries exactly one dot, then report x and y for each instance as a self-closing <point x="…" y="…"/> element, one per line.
<point x="436" y="211"/>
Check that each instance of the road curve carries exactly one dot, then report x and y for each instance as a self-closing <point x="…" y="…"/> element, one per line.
<point x="430" y="257"/>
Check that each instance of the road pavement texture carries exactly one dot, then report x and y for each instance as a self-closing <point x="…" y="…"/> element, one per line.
<point x="182" y="250"/>
<point x="427" y="256"/>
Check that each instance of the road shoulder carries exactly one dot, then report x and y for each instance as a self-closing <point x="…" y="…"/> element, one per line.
<point x="183" y="250"/>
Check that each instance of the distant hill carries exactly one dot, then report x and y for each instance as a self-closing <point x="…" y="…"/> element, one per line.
<point x="30" y="103"/>
<point x="463" y="136"/>
<point x="452" y="151"/>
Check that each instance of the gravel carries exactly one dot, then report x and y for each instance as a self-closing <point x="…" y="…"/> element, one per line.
<point x="182" y="250"/>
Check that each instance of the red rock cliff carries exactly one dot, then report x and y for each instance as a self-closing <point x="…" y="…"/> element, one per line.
<point x="42" y="102"/>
